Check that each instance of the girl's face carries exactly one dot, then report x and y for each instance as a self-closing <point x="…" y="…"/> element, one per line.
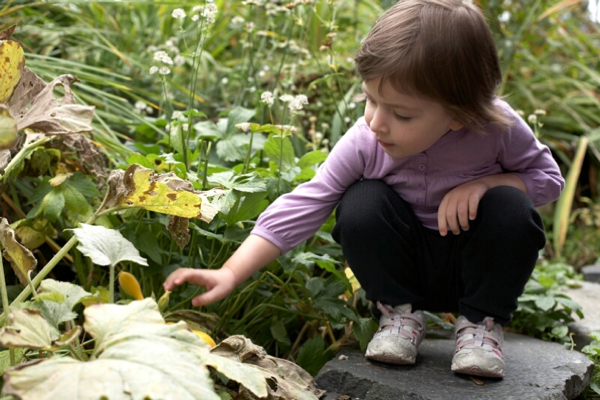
<point x="404" y="125"/>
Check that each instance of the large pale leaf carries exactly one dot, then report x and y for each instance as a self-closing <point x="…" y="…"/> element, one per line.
<point x="49" y="114"/>
<point x="106" y="246"/>
<point x="11" y="67"/>
<point x="163" y="193"/>
<point x="21" y="259"/>
<point x="137" y="356"/>
<point x="72" y="294"/>
<point x="26" y="328"/>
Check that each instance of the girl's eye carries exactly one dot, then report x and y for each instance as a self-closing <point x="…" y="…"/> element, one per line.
<point x="401" y="117"/>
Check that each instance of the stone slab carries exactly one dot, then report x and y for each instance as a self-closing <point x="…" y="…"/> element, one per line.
<point x="588" y="296"/>
<point x="591" y="273"/>
<point x="534" y="370"/>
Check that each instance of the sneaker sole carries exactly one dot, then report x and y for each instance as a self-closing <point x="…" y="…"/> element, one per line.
<point x="391" y="360"/>
<point x="477" y="371"/>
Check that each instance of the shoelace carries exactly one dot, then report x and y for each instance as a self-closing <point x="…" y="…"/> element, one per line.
<point x="481" y="334"/>
<point x="398" y="321"/>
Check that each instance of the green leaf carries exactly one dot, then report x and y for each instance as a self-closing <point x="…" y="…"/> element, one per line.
<point x="53" y="204"/>
<point x="74" y="200"/>
<point x="312" y="158"/>
<point x="8" y="129"/>
<point x="83" y="185"/>
<point x="249" y="183"/>
<point x="545" y="302"/>
<point x="236" y="116"/>
<point x="248" y="206"/>
<point x="279" y="332"/>
<point x="5" y="358"/>
<point x="313" y="356"/>
<point x="137" y="158"/>
<point x="280" y="151"/>
<point x="364" y="329"/>
<point x="106" y="246"/>
<point x="560" y="331"/>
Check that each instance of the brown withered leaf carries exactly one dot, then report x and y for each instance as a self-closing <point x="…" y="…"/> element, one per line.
<point x="92" y="161"/>
<point x="179" y="229"/>
<point x="163" y="193"/>
<point x="289" y="381"/>
<point x="48" y="114"/>
<point x="7" y="33"/>
<point x="20" y="258"/>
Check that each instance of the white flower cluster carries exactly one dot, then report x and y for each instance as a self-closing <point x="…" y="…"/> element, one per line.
<point x="267" y="98"/>
<point x="163" y="57"/>
<point x="295" y="103"/>
<point x="178" y="13"/>
<point x="207" y="12"/>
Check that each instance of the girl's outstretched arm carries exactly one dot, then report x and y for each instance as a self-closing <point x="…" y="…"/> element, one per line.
<point x="253" y="254"/>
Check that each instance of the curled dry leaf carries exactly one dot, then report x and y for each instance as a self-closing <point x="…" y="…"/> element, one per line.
<point x="20" y="258"/>
<point x="179" y="229"/>
<point x="7" y="33"/>
<point x="290" y="382"/>
<point x="54" y="116"/>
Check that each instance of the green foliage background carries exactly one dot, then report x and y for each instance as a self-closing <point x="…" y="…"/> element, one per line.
<point x="301" y="306"/>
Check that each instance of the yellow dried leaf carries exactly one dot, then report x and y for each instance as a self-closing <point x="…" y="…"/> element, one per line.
<point x="153" y="195"/>
<point x="8" y="129"/>
<point x="21" y="259"/>
<point x="12" y="62"/>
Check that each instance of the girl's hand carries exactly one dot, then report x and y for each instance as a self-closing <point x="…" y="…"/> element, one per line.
<point x="218" y="283"/>
<point x="459" y="206"/>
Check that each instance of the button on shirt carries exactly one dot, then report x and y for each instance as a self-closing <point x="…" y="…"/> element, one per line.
<point x="421" y="179"/>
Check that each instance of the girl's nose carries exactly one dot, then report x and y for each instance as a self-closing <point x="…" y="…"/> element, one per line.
<point x="378" y="121"/>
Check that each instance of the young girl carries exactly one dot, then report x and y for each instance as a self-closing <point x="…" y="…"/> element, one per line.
<point x="435" y="188"/>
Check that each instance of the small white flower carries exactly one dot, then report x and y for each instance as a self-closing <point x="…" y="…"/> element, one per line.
<point x="164" y="71"/>
<point x="237" y="20"/>
<point x="139" y="106"/>
<point x="179" y="59"/>
<point x="520" y="112"/>
<point x="158" y="55"/>
<point x="319" y="136"/>
<point x="540" y="112"/>
<point x="351" y="106"/>
<point x="224" y="81"/>
<point x="177" y="115"/>
<point x="267" y="98"/>
<point x="196" y="9"/>
<point x="347" y="120"/>
<point x="178" y="13"/>
<point x="195" y="17"/>
<point x="149" y="110"/>
<point x="185" y="127"/>
<point x="297" y="102"/>
<point x="153" y="70"/>
<point x="250" y="26"/>
<point x="252" y="89"/>
<point x="286" y="98"/>
<point x="261" y="73"/>
<point x="532" y="118"/>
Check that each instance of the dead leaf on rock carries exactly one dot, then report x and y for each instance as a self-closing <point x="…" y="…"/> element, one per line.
<point x="288" y="381"/>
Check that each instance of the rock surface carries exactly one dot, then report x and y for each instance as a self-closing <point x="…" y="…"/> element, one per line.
<point x="535" y="370"/>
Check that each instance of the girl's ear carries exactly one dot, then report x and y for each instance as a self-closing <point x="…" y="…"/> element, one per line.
<point x="455" y="125"/>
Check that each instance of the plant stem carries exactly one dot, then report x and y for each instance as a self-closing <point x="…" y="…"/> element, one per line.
<point x="22" y="154"/>
<point x="111" y="284"/>
<point x="5" y="306"/>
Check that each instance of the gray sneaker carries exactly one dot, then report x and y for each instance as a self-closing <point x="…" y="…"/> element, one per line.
<point x="399" y="335"/>
<point x="478" y="348"/>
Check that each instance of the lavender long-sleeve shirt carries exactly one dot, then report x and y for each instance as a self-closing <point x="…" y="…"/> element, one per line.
<point x="422" y="179"/>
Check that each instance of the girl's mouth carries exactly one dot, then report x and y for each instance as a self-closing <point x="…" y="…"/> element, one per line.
<point x="384" y="144"/>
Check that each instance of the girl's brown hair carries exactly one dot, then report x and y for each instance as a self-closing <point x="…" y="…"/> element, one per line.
<point x="439" y="49"/>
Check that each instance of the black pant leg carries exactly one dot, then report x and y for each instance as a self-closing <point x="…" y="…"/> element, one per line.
<point x="380" y="239"/>
<point x="498" y="254"/>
